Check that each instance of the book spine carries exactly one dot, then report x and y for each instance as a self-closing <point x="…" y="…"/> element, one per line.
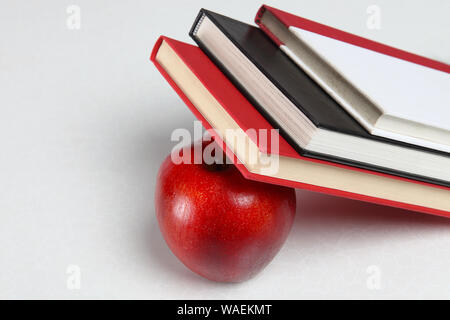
<point x="266" y="30"/>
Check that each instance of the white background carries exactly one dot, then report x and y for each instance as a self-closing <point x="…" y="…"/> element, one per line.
<point x="85" y="121"/>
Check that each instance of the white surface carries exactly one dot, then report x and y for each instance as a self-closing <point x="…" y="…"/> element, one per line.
<point x="85" y="122"/>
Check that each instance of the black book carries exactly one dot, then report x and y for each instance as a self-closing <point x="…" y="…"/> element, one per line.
<point x="315" y="124"/>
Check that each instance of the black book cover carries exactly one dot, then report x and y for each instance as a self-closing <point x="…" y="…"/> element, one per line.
<point x="299" y="88"/>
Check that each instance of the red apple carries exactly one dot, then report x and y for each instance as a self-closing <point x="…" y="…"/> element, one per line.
<point x="219" y="224"/>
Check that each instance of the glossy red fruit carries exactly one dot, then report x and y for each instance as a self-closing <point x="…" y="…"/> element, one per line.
<point x="219" y="224"/>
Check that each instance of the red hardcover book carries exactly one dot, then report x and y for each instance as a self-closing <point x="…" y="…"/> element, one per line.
<point x="289" y="19"/>
<point x="392" y="93"/>
<point x="220" y="106"/>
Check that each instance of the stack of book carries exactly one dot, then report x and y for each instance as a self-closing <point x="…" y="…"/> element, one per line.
<point x="357" y="118"/>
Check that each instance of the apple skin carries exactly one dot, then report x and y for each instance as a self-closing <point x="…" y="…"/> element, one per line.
<point x="219" y="224"/>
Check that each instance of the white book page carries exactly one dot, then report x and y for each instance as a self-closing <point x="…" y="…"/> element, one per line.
<point x="401" y="89"/>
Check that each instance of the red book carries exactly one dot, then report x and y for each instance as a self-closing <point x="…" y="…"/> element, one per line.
<point x="390" y="92"/>
<point x="220" y="106"/>
<point x="291" y="20"/>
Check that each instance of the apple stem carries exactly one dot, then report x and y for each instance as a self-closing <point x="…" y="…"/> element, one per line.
<point x="215" y="166"/>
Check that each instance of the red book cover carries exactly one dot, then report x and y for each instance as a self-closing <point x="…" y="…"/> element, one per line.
<point x="246" y="116"/>
<point x="289" y="20"/>
<point x="392" y="93"/>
